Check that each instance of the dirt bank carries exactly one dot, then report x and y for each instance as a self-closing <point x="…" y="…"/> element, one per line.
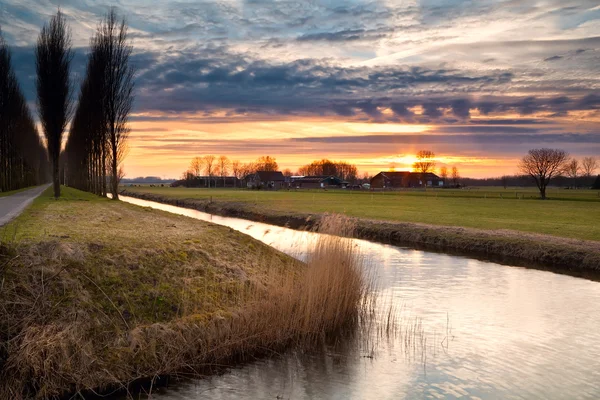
<point x="568" y="256"/>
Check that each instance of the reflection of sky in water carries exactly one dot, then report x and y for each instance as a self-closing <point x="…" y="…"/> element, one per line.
<point x="515" y="333"/>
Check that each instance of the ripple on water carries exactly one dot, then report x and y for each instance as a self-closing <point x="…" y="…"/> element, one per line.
<point x="490" y="331"/>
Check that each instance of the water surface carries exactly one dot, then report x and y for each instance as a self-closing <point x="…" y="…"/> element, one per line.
<point x="487" y="331"/>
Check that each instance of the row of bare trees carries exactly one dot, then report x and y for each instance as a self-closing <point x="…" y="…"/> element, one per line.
<point x="23" y="160"/>
<point x="585" y="168"/>
<point x="219" y="167"/>
<point x="341" y="169"/>
<point x="97" y="143"/>
<point x="454" y="175"/>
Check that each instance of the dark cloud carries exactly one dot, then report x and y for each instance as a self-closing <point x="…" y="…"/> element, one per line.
<point x="553" y="58"/>
<point x="461" y="108"/>
<point x="348" y="35"/>
<point x="499" y="137"/>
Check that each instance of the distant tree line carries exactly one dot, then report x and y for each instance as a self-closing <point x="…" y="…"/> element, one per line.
<point x="212" y="171"/>
<point x="97" y="143"/>
<point x="341" y="169"/>
<point x="147" y="179"/>
<point x="23" y="159"/>
<point x="543" y="166"/>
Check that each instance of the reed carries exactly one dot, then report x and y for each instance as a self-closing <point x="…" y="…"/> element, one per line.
<point x="50" y="345"/>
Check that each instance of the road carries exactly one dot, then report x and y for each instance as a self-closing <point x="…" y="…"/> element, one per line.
<point x="11" y="206"/>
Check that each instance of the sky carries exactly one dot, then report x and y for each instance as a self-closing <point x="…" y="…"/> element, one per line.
<point x="479" y="82"/>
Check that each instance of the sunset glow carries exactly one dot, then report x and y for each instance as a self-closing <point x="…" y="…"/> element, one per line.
<point x="369" y="82"/>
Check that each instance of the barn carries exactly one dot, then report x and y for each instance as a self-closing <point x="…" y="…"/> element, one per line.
<point x="273" y="180"/>
<point x="318" y="182"/>
<point x="405" y="179"/>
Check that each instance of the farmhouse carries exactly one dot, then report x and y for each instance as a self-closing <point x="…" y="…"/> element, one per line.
<point x="318" y="181"/>
<point x="405" y="179"/>
<point x="273" y="180"/>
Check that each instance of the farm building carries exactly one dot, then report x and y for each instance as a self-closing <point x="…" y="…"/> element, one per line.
<point x="206" y="181"/>
<point x="273" y="180"/>
<point x="405" y="179"/>
<point x="318" y="182"/>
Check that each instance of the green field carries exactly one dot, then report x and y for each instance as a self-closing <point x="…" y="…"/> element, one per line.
<point x="569" y="213"/>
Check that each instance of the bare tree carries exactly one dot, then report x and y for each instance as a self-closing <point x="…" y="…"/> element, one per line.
<point x="209" y="166"/>
<point x="223" y="164"/>
<point x="572" y="168"/>
<point x="543" y="165"/>
<point x="118" y="100"/>
<point x="444" y="174"/>
<point x="53" y="63"/>
<point x="589" y="165"/>
<point x="196" y="166"/>
<point x="287" y="172"/>
<point x="235" y="170"/>
<point x="266" y="163"/>
<point x="425" y="161"/>
<point x="455" y="176"/>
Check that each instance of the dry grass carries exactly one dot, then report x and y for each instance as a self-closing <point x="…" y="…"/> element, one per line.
<point x="93" y="306"/>
<point x="560" y="254"/>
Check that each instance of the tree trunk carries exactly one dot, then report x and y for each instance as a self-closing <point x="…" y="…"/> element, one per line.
<point x="115" y="178"/>
<point x="56" y="178"/>
<point x="543" y="192"/>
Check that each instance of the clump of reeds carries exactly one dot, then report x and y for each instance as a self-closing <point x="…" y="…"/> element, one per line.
<point x="48" y="350"/>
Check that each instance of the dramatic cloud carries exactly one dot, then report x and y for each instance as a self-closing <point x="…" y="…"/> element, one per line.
<point x="462" y="69"/>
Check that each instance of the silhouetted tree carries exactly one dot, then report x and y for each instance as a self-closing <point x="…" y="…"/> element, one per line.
<point x="589" y="165"/>
<point x="542" y="165"/>
<point x="235" y="170"/>
<point x="425" y="161"/>
<point x="97" y="141"/>
<point x="196" y="166"/>
<point x="209" y="166"/>
<point x="572" y="170"/>
<point x="444" y="174"/>
<point x="266" y="163"/>
<point x="223" y="164"/>
<point x="341" y="169"/>
<point x="23" y="159"/>
<point x="118" y="96"/>
<point x="53" y="62"/>
<point x="455" y="176"/>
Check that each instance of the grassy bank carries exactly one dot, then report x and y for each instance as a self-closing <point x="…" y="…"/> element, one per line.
<point x="98" y="293"/>
<point x="572" y="217"/>
<point x="562" y="254"/>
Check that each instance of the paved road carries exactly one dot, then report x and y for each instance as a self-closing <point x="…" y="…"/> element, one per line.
<point x="11" y="206"/>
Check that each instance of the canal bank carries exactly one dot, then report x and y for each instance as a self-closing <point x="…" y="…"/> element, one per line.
<point x="97" y="294"/>
<point x="464" y="329"/>
<point x="563" y="255"/>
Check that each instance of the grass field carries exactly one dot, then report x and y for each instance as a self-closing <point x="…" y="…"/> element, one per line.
<point x="569" y="213"/>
